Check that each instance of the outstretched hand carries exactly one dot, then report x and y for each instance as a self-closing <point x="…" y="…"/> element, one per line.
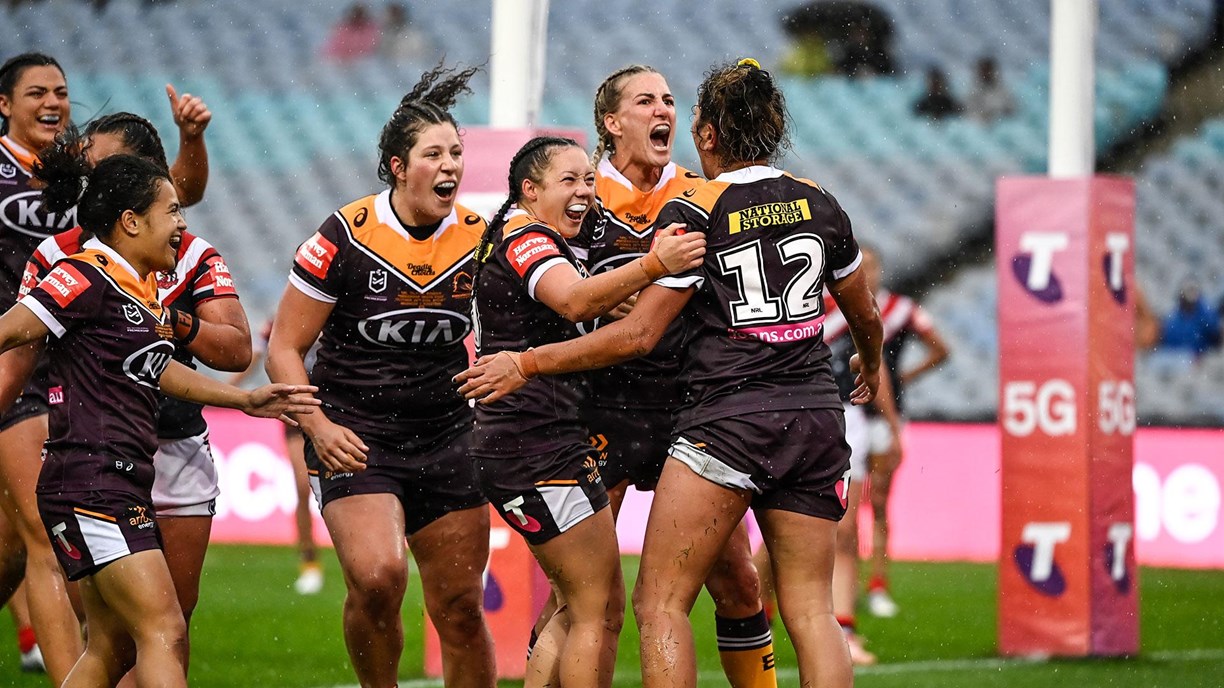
<point x="278" y="400"/>
<point x="492" y="378"/>
<point x="191" y="115"/>
<point x="677" y="249"/>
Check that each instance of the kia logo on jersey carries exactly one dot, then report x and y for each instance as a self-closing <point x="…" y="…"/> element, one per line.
<point x="1036" y="556"/>
<point x="24" y="213"/>
<point x="146" y="365"/>
<point x="1034" y="265"/>
<point x="414" y="327"/>
<point x="1116" y="246"/>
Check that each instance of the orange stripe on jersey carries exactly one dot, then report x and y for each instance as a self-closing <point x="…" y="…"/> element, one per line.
<point x="704" y="196"/>
<point x="64" y="284"/>
<point x="143" y="292"/>
<point x="636" y="208"/>
<point x="26" y="160"/>
<point x="94" y="514"/>
<point x="420" y="261"/>
<point x="552" y="483"/>
<point x="809" y="182"/>
<point x="316" y="255"/>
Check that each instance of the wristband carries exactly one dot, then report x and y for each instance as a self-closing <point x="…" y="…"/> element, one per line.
<point x="530" y="367"/>
<point x="186" y="327"/>
<point x="652" y="266"/>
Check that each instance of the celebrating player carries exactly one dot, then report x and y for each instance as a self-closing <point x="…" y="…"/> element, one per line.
<point x="629" y="412"/>
<point x="530" y="449"/>
<point x="387" y="282"/>
<point x="209" y="323"/>
<point x="111" y="351"/>
<point x="762" y="423"/>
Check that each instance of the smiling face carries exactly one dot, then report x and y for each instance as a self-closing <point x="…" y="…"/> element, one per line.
<point x="644" y="122"/>
<point x="427" y="182"/>
<point x="157" y="233"/>
<point x="564" y="193"/>
<point x="38" y="107"/>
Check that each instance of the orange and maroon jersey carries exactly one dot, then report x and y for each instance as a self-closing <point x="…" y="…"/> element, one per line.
<point x="753" y="328"/>
<point x="110" y="343"/>
<point x="624" y="233"/>
<point x="200" y="274"/>
<point x="394" y="338"/>
<point x="23" y="220"/>
<point x="543" y="415"/>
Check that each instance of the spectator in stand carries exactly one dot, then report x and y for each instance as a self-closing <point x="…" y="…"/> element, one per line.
<point x="402" y="41"/>
<point x="937" y="102"/>
<point x="860" y="58"/>
<point x="990" y="99"/>
<point x="354" y="37"/>
<point x="1193" y="326"/>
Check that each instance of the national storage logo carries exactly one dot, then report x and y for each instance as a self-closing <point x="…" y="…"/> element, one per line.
<point x="769" y="215"/>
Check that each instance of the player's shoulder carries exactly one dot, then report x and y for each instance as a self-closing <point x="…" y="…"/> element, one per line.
<point x="701" y="197"/>
<point x="466" y="221"/>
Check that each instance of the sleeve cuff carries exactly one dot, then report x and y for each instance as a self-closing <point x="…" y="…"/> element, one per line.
<point x="40" y="311"/>
<point x="681" y="281"/>
<point x="310" y="290"/>
<point x="539" y="272"/>
<point x="854" y="265"/>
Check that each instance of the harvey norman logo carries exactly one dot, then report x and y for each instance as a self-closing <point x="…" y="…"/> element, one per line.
<point x="769" y="215"/>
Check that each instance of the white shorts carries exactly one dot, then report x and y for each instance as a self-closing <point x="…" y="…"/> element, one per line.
<point x="881" y="435"/>
<point x="858" y="436"/>
<point x="185" y="482"/>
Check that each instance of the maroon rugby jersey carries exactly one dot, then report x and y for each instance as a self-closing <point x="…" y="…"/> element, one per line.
<point x="200" y="274"/>
<point x="402" y="305"/>
<point x="625" y="232"/>
<point x="110" y="344"/>
<point x="543" y="415"/>
<point x="23" y="220"/>
<point x="753" y="328"/>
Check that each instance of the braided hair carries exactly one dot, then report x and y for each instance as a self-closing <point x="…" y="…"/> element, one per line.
<point x="100" y="193"/>
<point x="138" y="135"/>
<point x="429" y="102"/>
<point x="747" y="109"/>
<point x="607" y="99"/>
<point x="528" y="163"/>
<point x="10" y="74"/>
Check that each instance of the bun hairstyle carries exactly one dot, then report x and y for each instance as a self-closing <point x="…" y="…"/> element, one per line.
<point x="429" y="102"/>
<point x="11" y="71"/>
<point x="607" y="98"/>
<point x="528" y="163"/>
<point x="138" y="134"/>
<point x="101" y="193"/>
<point x="747" y="110"/>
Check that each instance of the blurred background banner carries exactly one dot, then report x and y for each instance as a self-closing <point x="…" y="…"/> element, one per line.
<point x="945" y="502"/>
<point x="1067" y="416"/>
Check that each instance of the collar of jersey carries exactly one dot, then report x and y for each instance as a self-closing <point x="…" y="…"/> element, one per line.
<point x="97" y="245"/>
<point x="23" y="156"/>
<point x="386" y="216"/>
<point x="747" y="175"/>
<point x="608" y="170"/>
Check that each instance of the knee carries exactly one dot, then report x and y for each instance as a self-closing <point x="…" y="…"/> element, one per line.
<point x="736" y="588"/>
<point x="459" y="616"/>
<point x="379" y="585"/>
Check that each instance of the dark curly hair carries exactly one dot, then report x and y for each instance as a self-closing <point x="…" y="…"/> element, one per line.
<point x="747" y="110"/>
<point x="429" y="102"/>
<point x="100" y="193"/>
<point x="138" y="134"/>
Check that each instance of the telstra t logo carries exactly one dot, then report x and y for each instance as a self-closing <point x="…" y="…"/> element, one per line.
<point x="1034" y="265"/>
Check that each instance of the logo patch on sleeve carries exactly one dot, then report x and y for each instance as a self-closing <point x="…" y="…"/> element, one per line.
<point x="64" y="284"/>
<point x="222" y="283"/>
<point x="316" y="256"/>
<point x="529" y="249"/>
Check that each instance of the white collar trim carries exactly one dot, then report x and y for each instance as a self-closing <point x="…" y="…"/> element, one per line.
<point x="747" y="175"/>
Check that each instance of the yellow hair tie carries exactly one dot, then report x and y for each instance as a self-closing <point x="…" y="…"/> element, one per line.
<point x="748" y="62"/>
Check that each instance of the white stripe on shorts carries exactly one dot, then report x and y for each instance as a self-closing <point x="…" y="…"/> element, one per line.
<point x="568" y="504"/>
<point x="709" y="467"/>
<point x="103" y="540"/>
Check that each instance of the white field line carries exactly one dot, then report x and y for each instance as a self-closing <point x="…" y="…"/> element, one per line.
<point x="922" y="667"/>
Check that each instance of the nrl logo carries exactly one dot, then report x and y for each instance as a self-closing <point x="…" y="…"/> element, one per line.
<point x="132" y="313"/>
<point x="378" y="281"/>
<point x="8" y="171"/>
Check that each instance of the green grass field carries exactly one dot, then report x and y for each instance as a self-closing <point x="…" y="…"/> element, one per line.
<point x="252" y="630"/>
